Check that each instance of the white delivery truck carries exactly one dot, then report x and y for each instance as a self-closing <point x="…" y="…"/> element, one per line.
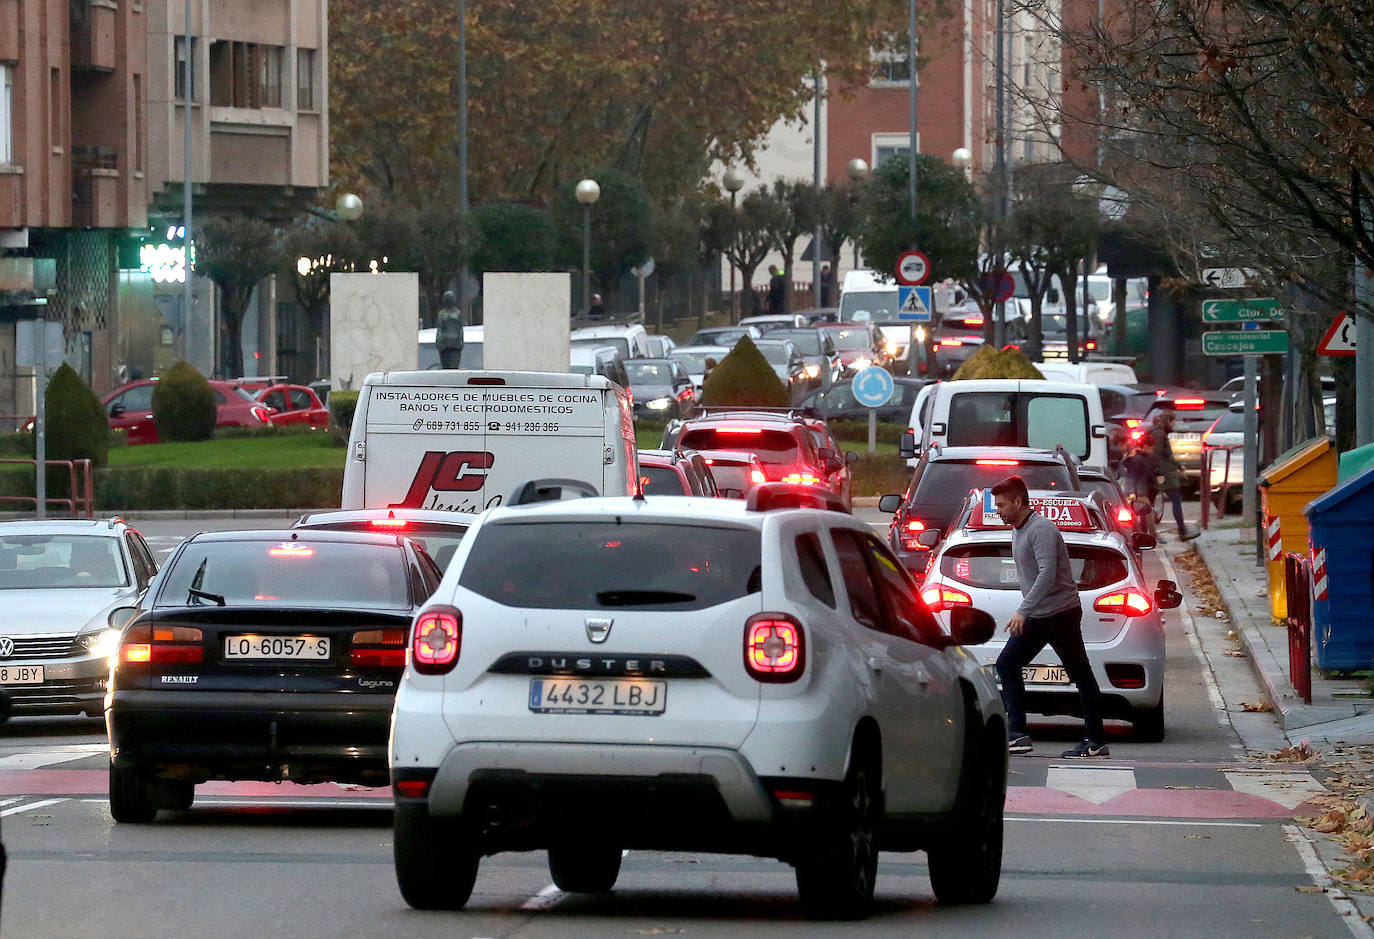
<point x="464" y="441"/>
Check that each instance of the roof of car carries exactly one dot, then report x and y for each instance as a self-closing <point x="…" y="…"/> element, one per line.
<point x="428" y="516"/>
<point x="698" y="349"/>
<point x="1027" y="454"/>
<point x="681" y="509"/>
<point x="593" y="332"/>
<point x="290" y="534"/>
<point x="63" y="526"/>
<point x="781" y="418"/>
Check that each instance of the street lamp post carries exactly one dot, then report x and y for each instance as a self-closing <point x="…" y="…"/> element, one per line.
<point x="857" y="170"/>
<point x="733" y="182"/>
<point x="587" y="193"/>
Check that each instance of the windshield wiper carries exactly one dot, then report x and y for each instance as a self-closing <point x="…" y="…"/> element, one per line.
<point x="194" y="594"/>
<point x="635" y="597"/>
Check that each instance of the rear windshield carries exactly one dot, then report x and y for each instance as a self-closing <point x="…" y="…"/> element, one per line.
<point x="694" y="363"/>
<point x="851" y="338"/>
<point x="660" y="480"/>
<point x="439" y="541"/>
<point x="1108" y="489"/>
<point x="775" y="353"/>
<point x="41" y="561"/>
<point x="772" y="446"/>
<point x="990" y="566"/>
<point x="1232" y="422"/>
<point x="943" y="485"/>
<point x="730" y="475"/>
<point x="292" y="573"/>
<point x="620" y="343"/>
<point x="876" y="305"/>
<point x="807" y="341"/>
<point x="606" y="566"/>
<point x="650" y="373"/>
<point x="1018" y="419"/>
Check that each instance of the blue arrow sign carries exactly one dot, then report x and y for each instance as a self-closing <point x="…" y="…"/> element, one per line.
<point x="913" y="304"/>
<point x="872" y="387"/>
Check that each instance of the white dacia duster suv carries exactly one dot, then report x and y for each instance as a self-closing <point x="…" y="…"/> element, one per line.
<point x="693" y="674"/>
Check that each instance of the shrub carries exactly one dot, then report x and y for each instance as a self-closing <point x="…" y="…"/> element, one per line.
<point x="988" y="362"/>
<point x="184" y="405"/>
<point x="342" y="404"/>
<point x="76" y="427"/>
<point x="170" y="487"/>
<point x="744" y="379"/>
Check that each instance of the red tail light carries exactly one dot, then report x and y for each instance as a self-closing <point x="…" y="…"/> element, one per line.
<point x="1125" y="516"/>
<point x="997" y="462"/>
<point x="1188" y="404"/>
<point x="391" y="523"/>
<point x="412" y="788"/>
<point x="756" y="476"/>
<point x="739" y="430"/>
<point x="437" y="640"/>
<point x="1132" y="422"/>
<point x="1136" y="435"/>
<point x="1092" y="345"/>
<point x="379" y="648"/>
<point x="948" y="343"/>
<point x="909" y="542"/>
<point x="801" y="479"/>
<point x="941" y="597"/>
<point x="1125" y="602"/>
<point x="774" y="647"/>
<point x="161" y="645"/>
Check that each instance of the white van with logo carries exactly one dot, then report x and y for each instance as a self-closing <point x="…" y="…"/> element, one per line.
<point x="464" y="441"/>
<point x="1000" y="412"/>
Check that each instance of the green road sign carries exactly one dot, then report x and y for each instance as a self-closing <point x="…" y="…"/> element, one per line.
<point x="1240" y="311"/>
<point x="1245" y="342"/>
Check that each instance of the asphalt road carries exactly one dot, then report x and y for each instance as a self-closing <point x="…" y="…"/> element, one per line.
<point x="1189" y="837"/>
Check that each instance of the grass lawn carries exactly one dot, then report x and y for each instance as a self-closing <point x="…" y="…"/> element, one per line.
<point x="270" y="451"/>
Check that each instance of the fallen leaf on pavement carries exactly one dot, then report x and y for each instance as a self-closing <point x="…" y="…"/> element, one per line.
<point x="1235" y="653"/>
<point x="1310" y="888"/>
<point x="1264" y="707"/>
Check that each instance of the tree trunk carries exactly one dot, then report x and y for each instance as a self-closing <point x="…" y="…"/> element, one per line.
<point x="1068" y="279"/>
<point x="1119" y="317"/>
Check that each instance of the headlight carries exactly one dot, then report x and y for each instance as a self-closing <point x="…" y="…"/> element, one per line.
<point x="102" y="642"/>
<point x="812" y="370"/>
<point x="892" y="347"/>
<point x="920" y="334"/>
<point x="659" y="404"/>
<point x="861" y="363"/>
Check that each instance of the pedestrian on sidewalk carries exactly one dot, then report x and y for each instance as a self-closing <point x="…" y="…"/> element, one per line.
<point x="1167" y="469"/>
<point x="1050" y="614"/>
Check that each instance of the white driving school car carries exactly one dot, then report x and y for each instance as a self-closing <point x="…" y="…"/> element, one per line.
<point x="693" y="674"/>
<point x="1123" y="632"/>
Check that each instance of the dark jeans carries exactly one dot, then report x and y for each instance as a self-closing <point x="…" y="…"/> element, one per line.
<point x="1063" y="633"/>
<point x="1176" y="497"/>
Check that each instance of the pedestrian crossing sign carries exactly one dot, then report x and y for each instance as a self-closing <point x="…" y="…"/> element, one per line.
<point x="913" y="304"/>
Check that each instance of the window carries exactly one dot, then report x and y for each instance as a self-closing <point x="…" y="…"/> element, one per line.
<point x="863" y="596"/>
<point x="305" y="79"/>
<point x="892" y="63"/>
<point x="55" y="100"/>
<point x="138" y="124"/>
<point x="179" y="76"/>
<point x="269" y="75"/>
<point x="6" y="110"/>
<point x="245" y="75"/>
<point x="814" y="570"/>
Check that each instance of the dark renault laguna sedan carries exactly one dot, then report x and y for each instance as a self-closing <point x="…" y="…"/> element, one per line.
<point x="261" y="655"/>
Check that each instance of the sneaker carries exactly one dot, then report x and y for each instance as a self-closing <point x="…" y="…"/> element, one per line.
<point x="1018" y="743"/>
<point x="1087" y="749"/>
<point x="1188" y="535"/>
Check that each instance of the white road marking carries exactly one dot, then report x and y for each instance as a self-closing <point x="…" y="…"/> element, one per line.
<point x="1131" y="821"/>
<point x="1288" y="789"/>
<point x="30" y="806"/>
<point x="51" y="756"/>
<point x="1096" y="784"/>
<point x="543" y="899"/>
<point x="1345" y="907"/>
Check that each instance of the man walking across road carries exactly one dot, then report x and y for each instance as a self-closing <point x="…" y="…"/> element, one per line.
<point x="1050" y="614"/>
<point x="1166" y="469"/>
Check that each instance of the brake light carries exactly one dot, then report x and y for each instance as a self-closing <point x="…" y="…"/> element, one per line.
<point x="1092" y="345"/>
<point x="162" y="645"/>
<point x="950" y="342"/>
<point x="437" y="640"/>
<point x="262" y="413"/>
<point x="1132" y="422"/>
<point x="1137" y="435"/>
<point x="942" y="597"/>
<point x="379" y="648"/>
<point x="1125" y="516"/>
<point x="801" y="479"/>
<point x="774" y="647"/>
<point x="1125" y="602"/>
<point x="997" y="462"/>
<point x="412" y="788"/>
<point x="916" y="526"/>
<point x="1188" y="404"/>
<point x="972" y="322"/>
<point x="291" y="549"/>
<point x="756" y="476"/>
<point x="739" y="430"/>
<point x="389" y="522"/>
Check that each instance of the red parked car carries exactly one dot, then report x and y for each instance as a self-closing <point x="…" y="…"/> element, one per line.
<point x="294" y="404"/>
<point x="130" y="408"/>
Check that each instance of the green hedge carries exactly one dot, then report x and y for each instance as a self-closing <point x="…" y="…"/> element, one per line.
<point x="342" y="404"/>
<point x="211" y="488"/>
<point x="877" y="474"/>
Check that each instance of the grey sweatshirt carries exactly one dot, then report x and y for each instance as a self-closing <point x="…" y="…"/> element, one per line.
<point x="1042" y="568"/>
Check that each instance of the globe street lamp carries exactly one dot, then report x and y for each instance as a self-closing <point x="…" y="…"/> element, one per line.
<point x="857" y="170"/>
<point x="349" y="207"/>
<point x="963" y="157"/>
<point x="587" y="193"/>
<point x="733" y="182"/>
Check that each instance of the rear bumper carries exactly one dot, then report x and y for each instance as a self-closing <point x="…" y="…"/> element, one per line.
<point x="228" y="735"/>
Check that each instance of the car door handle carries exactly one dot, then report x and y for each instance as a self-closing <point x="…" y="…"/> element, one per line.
<point x="922" y="677"/>
<point x="875" y="664"/>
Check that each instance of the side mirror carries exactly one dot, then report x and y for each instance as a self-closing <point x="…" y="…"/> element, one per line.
<point x="121" y="615"/>
<point x="1167" y="596"/>
<point x="851" y="457"/>
<point x="907" y="448"/>
<point x="1141" y="540"/>
<point x="889" y="503"/>
<point x="825" y="453"/>
<point x="833" y="464"/>
<point x="969" y="626"/>
<point x="116" y="410"/>
<point x="929" y="538"/>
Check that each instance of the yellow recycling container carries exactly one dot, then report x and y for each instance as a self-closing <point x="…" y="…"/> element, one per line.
<point x="1286" y="486"/>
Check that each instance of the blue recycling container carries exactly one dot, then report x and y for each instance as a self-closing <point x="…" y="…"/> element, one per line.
<point x="1341" y="544"/>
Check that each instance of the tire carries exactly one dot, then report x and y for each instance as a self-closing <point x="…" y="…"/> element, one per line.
<point x="587" y="869"/>
<point x="1148" y="725"/>
<point x="838" y="865"/>
<point x="132" y="799"/>
<point x="435" y="869"/>
<point x="967" y="867"/>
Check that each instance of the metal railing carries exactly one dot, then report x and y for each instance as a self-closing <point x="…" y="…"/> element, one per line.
<point x="80" y="503"/>
<point x="1297" y="584"/>
<point x="1218" y="495"/>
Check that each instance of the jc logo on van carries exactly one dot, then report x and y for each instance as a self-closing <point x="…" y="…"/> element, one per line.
<point x="458" y="471"/>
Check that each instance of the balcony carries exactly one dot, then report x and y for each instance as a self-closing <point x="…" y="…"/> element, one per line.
<point x="93" y="35"/>
<point x="95" y="187"/>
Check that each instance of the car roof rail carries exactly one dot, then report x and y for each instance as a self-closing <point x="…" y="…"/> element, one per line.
<point x="620" y="319"/>
<point x="724" y="410"/>
<point x="552" y="490"/>
<point x="766" y="497"/>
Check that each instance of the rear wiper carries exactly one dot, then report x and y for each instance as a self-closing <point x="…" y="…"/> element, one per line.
<point x="194" y="594"/>
<point x="633" y="597"/>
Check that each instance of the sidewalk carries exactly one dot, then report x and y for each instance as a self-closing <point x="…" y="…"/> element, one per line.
<point x="1341" y="710"/>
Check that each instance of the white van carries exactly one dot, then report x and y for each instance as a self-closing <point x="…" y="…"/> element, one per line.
<point x="1010" y="413"/>
<point x="1091" y="372"/>
<point x="868" y="295"/>
<point x="464" y="441"/>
